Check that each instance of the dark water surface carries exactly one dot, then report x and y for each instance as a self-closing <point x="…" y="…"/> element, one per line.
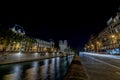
<point x="47" y="69"/>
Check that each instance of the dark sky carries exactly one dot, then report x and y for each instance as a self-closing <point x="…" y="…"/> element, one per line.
<point x="72" y="21"/>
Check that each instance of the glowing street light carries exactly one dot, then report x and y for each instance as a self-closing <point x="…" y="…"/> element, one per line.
<point x="45" y="49"/>
<point x="92" y="45"/>
<point x="98" y="42"/>
<point x="113" y="36"/>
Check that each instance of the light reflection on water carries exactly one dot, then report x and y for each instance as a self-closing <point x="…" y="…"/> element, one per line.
<point x="52" y="69"/>
<point x="31" y="73"/>
<point x="15" y="73"/>
<point x="58" y="67"/>
<point x="48" y="69"/>
<point x="44" y="70"/>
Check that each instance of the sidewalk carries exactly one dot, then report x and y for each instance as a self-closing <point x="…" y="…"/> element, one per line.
<point x="76" y="70"/>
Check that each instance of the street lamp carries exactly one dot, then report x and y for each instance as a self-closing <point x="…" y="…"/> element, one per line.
<point x="113" y="36"/>
<point x="44" y="49"/>
<point x="98" y="45"/>
<point x="92" y="47"/>
<point x="113" y="40"/>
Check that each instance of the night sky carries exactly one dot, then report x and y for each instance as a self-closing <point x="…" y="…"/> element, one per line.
<point x="72" y="21"/>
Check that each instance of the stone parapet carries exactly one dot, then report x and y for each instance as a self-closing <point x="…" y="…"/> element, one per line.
<point x="76" y="70"/>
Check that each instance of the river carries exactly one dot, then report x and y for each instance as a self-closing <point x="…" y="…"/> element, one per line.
<point x="47" y="69"/>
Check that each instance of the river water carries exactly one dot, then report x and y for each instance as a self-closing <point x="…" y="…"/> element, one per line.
<point x="47" y="69"/>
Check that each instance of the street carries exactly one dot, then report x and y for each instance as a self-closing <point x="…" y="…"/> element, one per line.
<point x="101" y="67"/>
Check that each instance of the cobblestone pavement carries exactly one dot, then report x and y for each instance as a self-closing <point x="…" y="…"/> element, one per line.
<point x="76" y="71"/>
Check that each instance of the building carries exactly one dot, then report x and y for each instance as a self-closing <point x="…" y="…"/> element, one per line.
<point x="108" y="40"/>
<point x="14" y="40"/>
<point x="63" y="46"/>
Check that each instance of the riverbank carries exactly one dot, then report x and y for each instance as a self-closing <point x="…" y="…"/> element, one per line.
<point x="76" y="70"/>
<point x="17" y="58"/>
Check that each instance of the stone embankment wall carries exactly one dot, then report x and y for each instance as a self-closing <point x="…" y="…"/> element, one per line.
<point x="20" y="57"/>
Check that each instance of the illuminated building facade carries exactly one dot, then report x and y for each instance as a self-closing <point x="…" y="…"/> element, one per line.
<point x="63" y="46"/>
<point x="108" y="40"/>
<point x="15" y="40"/>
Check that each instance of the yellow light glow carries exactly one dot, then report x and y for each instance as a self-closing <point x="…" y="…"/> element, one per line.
<point x="92" y="45"/>
<point x="113" y="36"/>
<point x="17" y="45"/>
<point x="35" y="47"/>
<point x="52" y="49"/>
<point x="98" y="42"/>
<point x="45" y="49"/>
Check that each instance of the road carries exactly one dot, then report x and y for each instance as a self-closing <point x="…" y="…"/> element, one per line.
<point x="101" y="67"/>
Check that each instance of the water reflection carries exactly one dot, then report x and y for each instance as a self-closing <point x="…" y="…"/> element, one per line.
<point x="32" y="73"/>
<point x="44" y="70"/>
<point x="14" y="74"/>
<point x="52" y="69"/>
<point x="57" y="68"/>
<point x="48" y="69"/>
<point x="9" y="77"/>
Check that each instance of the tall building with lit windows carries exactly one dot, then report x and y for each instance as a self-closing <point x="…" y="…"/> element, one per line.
<point x="108" y="38"/>
<point x="14" y="40"/>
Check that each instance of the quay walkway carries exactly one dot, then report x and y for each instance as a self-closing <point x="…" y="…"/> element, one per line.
<point x="76" y="70"/>
<point x="21" y="57"/>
